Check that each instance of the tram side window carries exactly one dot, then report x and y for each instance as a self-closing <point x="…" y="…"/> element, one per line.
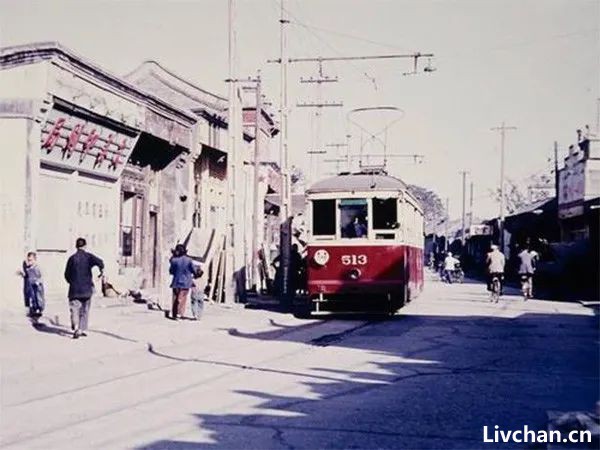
<point x="323" y="217"/>
<point x="353" y="218"/>
<point x="385" y="213"/>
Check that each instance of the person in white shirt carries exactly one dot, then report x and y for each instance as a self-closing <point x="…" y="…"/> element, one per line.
<point x="450" y="263"/>
<point x="495" y="266"/>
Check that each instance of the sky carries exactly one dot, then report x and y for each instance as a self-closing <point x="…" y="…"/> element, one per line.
<point x="533" y="64"/>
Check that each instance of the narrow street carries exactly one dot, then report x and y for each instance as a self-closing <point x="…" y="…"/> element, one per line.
<point x="430" y="377"/>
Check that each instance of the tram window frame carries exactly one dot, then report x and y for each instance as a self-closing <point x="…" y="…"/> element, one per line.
<point x="343" y="224"/>
<point x="394" y="224"/>
<point x="327" y="226"/>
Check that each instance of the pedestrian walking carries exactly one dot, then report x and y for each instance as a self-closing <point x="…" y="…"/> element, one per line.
<point x="33" y="286"/>
<point x="198" y="293"/>
<point x="182" y="269"/>
<point x="78" y="274"/>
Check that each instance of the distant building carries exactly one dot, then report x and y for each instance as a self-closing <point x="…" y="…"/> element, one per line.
<point x="579" y="191"/>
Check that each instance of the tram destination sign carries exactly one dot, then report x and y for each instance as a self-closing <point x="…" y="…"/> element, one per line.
<point x="85" y="145"/>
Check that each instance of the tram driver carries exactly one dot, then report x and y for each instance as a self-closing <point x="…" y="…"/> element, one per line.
<point x="357" y="228"/>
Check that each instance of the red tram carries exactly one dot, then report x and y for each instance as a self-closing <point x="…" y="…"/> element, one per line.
<point x="365" y="242"/>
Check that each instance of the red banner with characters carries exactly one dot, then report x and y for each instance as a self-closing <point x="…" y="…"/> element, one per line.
<point x="84" y="145"/>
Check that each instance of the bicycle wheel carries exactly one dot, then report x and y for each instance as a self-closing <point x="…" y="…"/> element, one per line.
<point x="496" y="290"/>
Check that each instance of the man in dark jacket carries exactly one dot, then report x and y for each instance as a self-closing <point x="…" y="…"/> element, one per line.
<point x="182" y="268"/>
<point x="78" y="274"/>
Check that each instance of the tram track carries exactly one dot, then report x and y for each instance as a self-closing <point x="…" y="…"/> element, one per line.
<point x="225" y="369"/>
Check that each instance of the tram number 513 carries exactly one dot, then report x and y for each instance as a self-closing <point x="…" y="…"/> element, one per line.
<point x="354" y="260"/>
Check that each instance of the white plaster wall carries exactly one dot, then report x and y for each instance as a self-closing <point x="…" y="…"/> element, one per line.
<point x="94" y="96"/>
<point x="24" y="81"/>
<point x="13" y="145"/>
<point x="592" y="179"/>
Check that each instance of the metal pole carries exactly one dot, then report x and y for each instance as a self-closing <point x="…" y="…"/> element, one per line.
<point x="598" y="118"/>
<point x="256" y="200"/>
<point x="230" y="284"/>
<point x="285" y="212"/>
<point x="556" y="188"/>
<point x="464" y="188"/>
<point x="502" y="130"/>
<point x="446" y="245"/>
<point x="502" y="186"/>
<point x="471" y="207"/>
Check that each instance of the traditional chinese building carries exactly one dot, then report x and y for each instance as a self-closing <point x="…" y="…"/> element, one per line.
<point x="209" y="160"/>
<point x="87" y="153"/>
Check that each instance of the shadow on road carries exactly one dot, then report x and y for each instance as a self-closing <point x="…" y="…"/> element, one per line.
<point x="432" y="382"/>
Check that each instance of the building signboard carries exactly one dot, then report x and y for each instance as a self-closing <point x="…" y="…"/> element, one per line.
<point x="480" y="230"/>
<point x="85" y="145"/>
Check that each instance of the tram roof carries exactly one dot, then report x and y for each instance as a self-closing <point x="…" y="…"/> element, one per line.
<point x="358" y="182"/>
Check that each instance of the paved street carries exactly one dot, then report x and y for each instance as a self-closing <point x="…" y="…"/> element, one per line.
<point x="431" y="377"/>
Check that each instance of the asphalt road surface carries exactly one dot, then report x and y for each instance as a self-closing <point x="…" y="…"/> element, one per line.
<point x="431" y="377"/>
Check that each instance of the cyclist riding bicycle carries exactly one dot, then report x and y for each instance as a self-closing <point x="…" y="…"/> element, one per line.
<point x="450" y="263"/>
<point x="495" y="266"/>
<point x="528" y="261"/>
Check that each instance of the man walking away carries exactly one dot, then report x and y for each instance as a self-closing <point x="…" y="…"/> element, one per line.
<point x="78" y="274"/>
<point x="527" y="263"/>
<point x="183" y="270"/>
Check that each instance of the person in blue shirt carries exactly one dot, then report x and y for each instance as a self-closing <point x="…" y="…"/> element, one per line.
<point x="182" y="269"/>
<point x="360" y="227"/>
<point x="33" y="286"/>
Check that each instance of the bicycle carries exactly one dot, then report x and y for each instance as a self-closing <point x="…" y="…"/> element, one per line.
<point x="527" y="286"/>
<point x="496" y="289"/>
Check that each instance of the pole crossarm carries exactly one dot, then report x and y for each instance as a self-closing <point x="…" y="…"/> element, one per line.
<point x="352" y="58"/>
<point x="319" y="105"/>
<point x="319" y="80"/>
<point x="381" y="155"/>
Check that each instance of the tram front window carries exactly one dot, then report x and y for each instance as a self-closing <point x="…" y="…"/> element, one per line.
<point x="323" y="217"/>
<point x="385" y="213"/>
<point x="353" y="218"/>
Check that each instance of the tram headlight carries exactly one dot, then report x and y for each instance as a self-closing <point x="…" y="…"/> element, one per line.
<point x="354" y="274"/>
<point x="321" y="257"/>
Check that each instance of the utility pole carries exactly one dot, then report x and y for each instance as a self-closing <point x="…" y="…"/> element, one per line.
<point x="446" y="245"/>
<point x="598" y="118"/>
<point x="256" y="206"/>
<point x="256" y="87"/>
<point x="230" y="281"/>
<point x="471" y="207"/>
<point x="339" y="160"/>
<point x="318" y="107"/>
<point x="557" y="184"/>
<point x="502" y="129"/>
<point x="464" y="187"/>
<point x="285" y="213"/>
